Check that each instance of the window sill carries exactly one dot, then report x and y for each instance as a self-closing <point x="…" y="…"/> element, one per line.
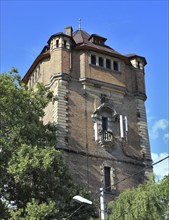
<point x="105" y="69"/>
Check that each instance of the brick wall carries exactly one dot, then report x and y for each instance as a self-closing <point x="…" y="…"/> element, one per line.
<point x="78" y="86"/>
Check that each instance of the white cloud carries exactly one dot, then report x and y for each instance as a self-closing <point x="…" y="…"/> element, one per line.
<point x="158" y="126"/>
<point x="162" y="168"/>
<point x="166" y="136"/>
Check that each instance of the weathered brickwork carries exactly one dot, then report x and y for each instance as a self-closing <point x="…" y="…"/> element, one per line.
<point x="98" y="108"/>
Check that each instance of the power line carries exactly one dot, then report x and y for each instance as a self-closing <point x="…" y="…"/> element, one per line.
<point x="148" y="166"/>
<point x="75" y="211"/>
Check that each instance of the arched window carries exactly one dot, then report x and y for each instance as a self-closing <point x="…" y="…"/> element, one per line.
<point x="103" y="119"/>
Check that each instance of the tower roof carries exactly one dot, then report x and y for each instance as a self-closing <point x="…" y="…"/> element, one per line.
<point x="83" y="40"/>
<point x="133" y="55"/>
<point x="80" y="37"/>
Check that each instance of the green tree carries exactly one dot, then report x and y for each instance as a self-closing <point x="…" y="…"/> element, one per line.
<point x="34" y="180"/>
<point x="149" y="201"/>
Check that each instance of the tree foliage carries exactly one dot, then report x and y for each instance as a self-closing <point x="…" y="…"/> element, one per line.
<point x="34" y="178"/>
<point x="149" y="201"/>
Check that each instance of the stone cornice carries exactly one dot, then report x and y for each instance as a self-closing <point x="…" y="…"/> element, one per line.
<point x="142" y="163"/>
<point x="56" y="76"/>
<point x="103" y="85"/>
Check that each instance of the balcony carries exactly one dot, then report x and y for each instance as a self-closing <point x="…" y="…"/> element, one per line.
<point x="106" y="138"/>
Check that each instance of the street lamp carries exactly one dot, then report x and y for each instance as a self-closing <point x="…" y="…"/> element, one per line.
<point x="82" y="200"/>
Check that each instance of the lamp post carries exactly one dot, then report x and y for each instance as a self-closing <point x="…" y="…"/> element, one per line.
<point x="102" y="205"/>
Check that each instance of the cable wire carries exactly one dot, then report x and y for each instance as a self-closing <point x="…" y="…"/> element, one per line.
<point x="148" y="166"/>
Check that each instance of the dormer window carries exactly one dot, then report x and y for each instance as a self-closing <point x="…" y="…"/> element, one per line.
<point x="95" y="38"/>
<point x="93" y="59"/>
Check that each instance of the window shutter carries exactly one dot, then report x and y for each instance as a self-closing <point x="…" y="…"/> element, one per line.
<point x="121" y="127"/>
<point x="96" y="131"/>
<point x="126" y="123"/>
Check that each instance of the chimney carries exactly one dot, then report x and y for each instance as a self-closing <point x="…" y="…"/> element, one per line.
<point x="69" y="30"/>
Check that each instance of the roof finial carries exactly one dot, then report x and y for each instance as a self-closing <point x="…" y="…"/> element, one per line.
<point x="80" y="23"/>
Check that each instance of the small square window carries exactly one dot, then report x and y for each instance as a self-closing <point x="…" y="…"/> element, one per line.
<point x="93" y="59"/>
<point x="100" y="61"/>
<point x="108" y="64"/>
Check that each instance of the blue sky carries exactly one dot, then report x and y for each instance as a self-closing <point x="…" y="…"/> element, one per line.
<point x="139" y="27"/>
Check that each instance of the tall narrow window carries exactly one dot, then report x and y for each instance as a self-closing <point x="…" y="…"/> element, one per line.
<point x="104" y="123"/>
<point x="115" y="66"/>
<point x="65" y="43"/>
<point x="93" y="59"/>
<point x="138" y="65"/>
<point x="107" y="179"/>
<point x="57" y="43"/>
<point x="100" y="61"/>
<point x="108" y="64"/>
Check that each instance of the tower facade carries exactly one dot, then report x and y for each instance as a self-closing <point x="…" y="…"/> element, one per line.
<point x="98" y="107"/>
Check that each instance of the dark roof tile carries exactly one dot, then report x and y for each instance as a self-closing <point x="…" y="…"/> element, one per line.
<point x="82" y="38"/>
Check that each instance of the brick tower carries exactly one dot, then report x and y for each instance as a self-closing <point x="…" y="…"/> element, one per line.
<point x="98" y="107"/>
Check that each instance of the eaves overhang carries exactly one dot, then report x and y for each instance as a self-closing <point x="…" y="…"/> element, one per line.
<point x="97" y="36"/>
<point x="132" y="56"/>
<point x="57" y="35"/>
<point x="41" y="57"/>
<point x="114" y="54"/>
